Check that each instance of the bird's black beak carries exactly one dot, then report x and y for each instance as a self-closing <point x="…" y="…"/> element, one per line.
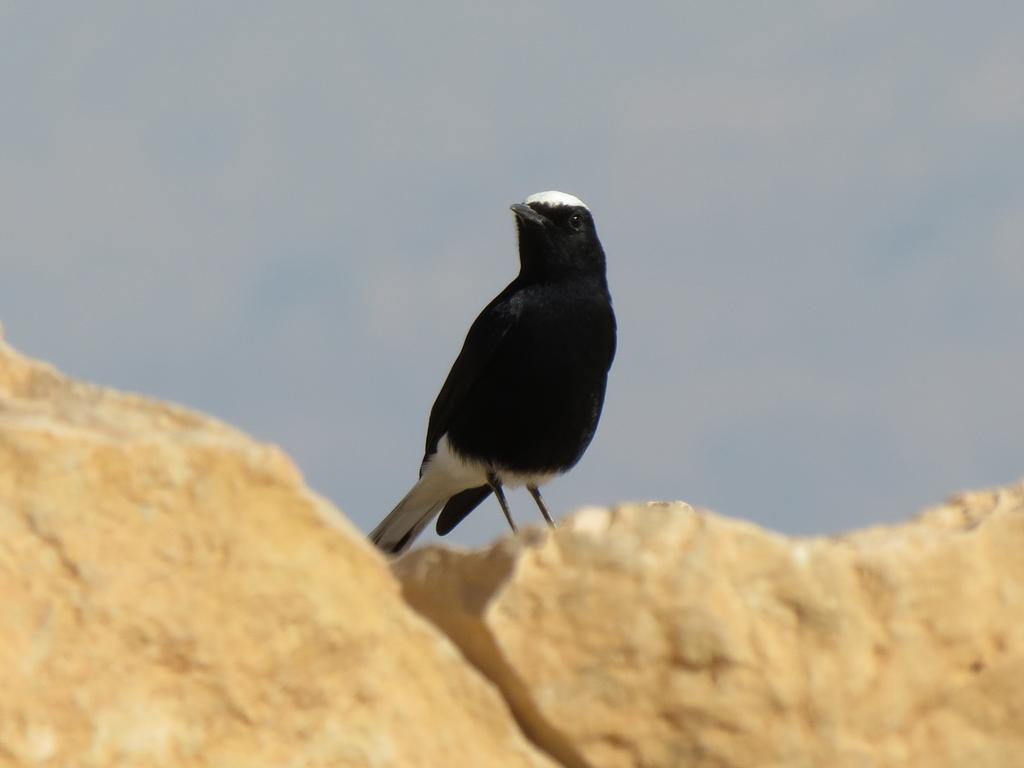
<point x="527" y="215"/>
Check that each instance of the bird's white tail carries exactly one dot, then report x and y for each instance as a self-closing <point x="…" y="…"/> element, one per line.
<point x="406" y="521"/>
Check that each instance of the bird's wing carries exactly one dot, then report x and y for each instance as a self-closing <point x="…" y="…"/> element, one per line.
<point x="614" y="343"/>
<point x="482" y="342"/>
<point x="458" y="506"/>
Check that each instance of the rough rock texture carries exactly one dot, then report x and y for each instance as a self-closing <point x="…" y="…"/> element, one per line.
<point x="659" y="636"/>
<point x="172" y="595"/>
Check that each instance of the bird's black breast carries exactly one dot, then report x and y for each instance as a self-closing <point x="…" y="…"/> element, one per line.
<point x="535" y="406"/>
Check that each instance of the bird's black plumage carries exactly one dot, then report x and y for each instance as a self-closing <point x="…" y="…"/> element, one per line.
<point x="458" y="506"/>
<point x="524" y="396"/>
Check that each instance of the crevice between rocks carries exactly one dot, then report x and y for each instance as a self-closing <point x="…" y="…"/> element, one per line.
<point x="476" y="643"/>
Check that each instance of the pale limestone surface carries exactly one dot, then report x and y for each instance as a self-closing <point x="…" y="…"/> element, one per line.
<point x="656" y="635"/>
<point x="171" y="594"/>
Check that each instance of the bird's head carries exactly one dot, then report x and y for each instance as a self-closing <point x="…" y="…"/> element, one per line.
<point x="557" y="236"/>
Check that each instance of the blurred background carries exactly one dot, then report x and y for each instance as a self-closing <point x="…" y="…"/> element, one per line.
<point x="287" y="215"/>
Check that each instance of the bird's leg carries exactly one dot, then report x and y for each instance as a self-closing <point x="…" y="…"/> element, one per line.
<point x="495" y="483"/>
<point x="535" y="492"/>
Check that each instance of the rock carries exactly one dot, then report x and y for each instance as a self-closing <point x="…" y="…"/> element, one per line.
<point x="171" y="594"/>
<point x="656" y="635"/>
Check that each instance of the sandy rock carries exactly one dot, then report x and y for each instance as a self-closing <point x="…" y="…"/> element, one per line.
<point x="171" y="594"/>
<point x="660" y="636"/>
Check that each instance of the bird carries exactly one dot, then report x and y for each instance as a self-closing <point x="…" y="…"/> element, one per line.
<point x="523" y="398"/>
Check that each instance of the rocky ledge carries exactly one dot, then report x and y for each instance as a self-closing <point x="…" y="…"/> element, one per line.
<point x="171" y="594"/>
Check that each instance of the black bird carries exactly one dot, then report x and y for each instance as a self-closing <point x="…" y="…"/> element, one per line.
<point x="523" y="398"/>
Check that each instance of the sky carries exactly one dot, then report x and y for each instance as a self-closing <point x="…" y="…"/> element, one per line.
<point x="287" y="215"/>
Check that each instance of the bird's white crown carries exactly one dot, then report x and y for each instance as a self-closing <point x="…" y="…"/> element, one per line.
<point x="552" y="197"/>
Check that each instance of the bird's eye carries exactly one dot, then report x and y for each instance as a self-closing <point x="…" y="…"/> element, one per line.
<point x="576" y="222"/>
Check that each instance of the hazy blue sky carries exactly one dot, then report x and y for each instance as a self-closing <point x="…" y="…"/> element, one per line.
<point x="287" y="215"/>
